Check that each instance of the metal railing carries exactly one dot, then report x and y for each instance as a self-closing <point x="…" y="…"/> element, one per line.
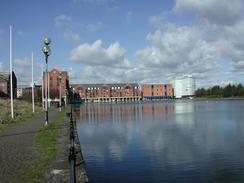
<point x="72" y="156"/>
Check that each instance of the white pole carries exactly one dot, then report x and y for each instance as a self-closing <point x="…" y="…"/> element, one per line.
<point x="11" y="71"/>
<point x="60" y="94"/>
<point x="46" y="93"/>
<point x="32" y="76"/>
<point x="42" y="87"/>
<point x="48" y="82"/>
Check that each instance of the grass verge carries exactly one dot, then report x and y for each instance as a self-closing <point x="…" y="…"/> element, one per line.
<point x="22" y="113"/>
<point x="45" y="143"/>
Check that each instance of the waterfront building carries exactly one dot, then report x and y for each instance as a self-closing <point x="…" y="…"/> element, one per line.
<point x="184" y="86"/>
<point x="5" y="84"/>
<point x="157" y="91"/>
<point x="107" y="92"/>
<point x="54" y="84"/>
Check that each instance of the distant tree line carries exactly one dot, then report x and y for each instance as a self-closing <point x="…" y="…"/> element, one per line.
<point x="218" y="91"/>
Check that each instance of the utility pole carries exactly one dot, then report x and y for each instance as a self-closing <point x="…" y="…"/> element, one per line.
<point x="33" y="85"/>
<point x="11" y="71"/>
<point x="47" y="52"/>
<point x="42" y="87"/>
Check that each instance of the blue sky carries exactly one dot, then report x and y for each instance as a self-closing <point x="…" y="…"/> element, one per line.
<point x="127" y="41"/>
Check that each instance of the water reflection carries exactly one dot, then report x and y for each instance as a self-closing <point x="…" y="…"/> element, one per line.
<point x="122" y="112"/>
<point x="154" y="142"/>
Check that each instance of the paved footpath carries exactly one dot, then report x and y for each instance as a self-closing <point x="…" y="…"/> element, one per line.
<point x="16" y="154"/>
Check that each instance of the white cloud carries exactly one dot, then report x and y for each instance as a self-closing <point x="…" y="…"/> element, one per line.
<point x="22" y="69"/>
<point x="238" y="66"/>
<point x="25" y="63"/>
<point x="200" y="48"/>
<point x="178" y="50"/>
<point x="71" y="36"/>
<point x="94" y="27"/>
<point x="95" y="54"/>
<point x="215" y="11"/>
<point x="158" y="21"/>
<point x="62" y="20"/>
<point x="67" y="26"/>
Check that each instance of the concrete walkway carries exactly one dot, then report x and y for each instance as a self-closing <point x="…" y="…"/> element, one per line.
<point x="16" y="153"/>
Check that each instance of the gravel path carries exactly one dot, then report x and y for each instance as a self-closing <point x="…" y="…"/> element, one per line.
<point x="16" y="154"/>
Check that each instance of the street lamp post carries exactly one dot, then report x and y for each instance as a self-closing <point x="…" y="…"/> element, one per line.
<point x="60" y="93"/>
<point x="47" y="51"/>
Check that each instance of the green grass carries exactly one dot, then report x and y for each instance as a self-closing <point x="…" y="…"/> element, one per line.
<point x="22" y="112"/>
<point x="45" y="144"/>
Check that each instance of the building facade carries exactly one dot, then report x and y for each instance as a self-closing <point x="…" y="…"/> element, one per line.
<point x="55" y="79"/>
<point x="184" y="87"/>
<point x="108" y="92"/>
<point x="157" y="91"/>
<point x="5" y="84"/>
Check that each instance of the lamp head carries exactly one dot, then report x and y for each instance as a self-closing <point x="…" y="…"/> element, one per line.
<point x="47" y="40"/>
<point x="46" y="50"/>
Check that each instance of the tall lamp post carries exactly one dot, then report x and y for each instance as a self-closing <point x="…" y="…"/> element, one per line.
<point x="60" y="93"/>
<point x="47" y="51"/>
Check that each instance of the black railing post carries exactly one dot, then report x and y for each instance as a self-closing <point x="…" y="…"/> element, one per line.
<point x="72" y="149"/>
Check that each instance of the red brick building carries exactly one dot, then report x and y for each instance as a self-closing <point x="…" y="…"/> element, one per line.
<point x="157" y="91"/>
<point x="119" y="91"/>
<point x="54" y="83"/>
<point x="5" y="84"/>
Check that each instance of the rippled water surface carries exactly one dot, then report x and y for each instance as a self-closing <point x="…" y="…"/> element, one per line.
<point x="182" y="141"/>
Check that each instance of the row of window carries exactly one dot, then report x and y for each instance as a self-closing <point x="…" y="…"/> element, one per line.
<point x="113" y="88"/>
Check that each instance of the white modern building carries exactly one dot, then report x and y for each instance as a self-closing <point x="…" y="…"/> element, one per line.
<point x="184" y="86"/>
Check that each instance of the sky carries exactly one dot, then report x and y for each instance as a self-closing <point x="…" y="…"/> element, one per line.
<point x="110" y="41"/>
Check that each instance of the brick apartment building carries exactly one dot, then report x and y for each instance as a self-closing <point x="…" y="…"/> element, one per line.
<point x="107" y="91"/>
<point x="5" y="84"/>
<point x="157" y="91"/>
<point x="54" y="83"/>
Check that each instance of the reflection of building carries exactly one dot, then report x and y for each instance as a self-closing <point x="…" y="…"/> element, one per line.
<point x="5" y="84"/>
<point x="108" y="92"/>
<point x="157" y="91"/>
<point x="54" y="83"/>
<point x="184" y="87"/>
<point x="123" y="112"/>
